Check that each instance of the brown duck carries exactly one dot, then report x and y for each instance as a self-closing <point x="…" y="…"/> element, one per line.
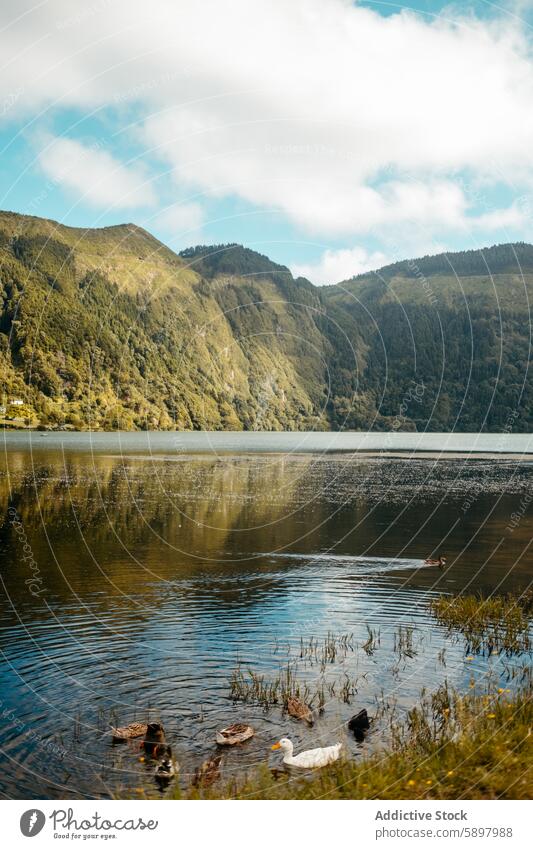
<point x="154" y="739"/>
<point x="298" y="709"/>
<point x="208" y="772"/>
<point x="129" y="732"/>
<point x="236" y="733"/>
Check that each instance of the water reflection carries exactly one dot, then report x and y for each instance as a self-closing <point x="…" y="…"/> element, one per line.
<point x="160" y="576"/>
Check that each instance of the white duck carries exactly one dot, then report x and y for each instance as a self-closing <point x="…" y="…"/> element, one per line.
<point x="311" y="759"/>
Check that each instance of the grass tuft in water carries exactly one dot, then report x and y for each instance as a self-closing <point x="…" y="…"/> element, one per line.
<point x="372" y="642"/>
<point x="333" y="649"/>
<point x="403" y="642"/>
<point x="249" y="687"/>
<point x="501" y="623"/>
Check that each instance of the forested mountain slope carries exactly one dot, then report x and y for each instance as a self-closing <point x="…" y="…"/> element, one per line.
<point x="109" y="328"/>
<point x="449" y="338"/>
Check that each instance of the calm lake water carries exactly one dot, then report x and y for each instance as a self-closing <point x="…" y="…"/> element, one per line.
<point x="165" y="560"/>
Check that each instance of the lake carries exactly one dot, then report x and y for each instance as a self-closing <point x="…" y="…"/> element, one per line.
<point x="139" y="571"/>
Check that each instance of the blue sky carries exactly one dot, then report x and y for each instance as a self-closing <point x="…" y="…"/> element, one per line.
<point x="330" y="135"/>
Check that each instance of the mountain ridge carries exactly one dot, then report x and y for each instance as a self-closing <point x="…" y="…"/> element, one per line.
<point x="473" y="262"/>
<point x="108" y="328"/>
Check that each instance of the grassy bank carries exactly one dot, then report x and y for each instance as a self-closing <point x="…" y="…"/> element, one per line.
<point x="477" y="746"/>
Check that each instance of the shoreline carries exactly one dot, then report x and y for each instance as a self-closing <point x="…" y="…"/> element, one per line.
<point x="176" y="445"/>
<point x="474" y="746"/>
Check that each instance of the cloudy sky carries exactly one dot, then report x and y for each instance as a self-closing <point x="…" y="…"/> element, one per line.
<point x="334" y="136"/>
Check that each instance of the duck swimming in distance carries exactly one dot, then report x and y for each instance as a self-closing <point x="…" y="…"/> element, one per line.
<point x="310" y="759"/>
<point x="441" y="562"/>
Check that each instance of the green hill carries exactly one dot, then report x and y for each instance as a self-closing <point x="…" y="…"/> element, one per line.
<point x="448" y="339"/>
<point x="211" y="261"/>
<point x="510" y="258"/>
<point x="108" y="328"/>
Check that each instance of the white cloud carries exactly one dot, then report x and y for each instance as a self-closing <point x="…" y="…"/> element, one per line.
<point x="335" y="266"/>
<point x="344" y="121"/>
<point x="94" y="174"/>
<point x="520" y="7"/>
<point x="516" y="217"/>
<point x="180" y="218"/>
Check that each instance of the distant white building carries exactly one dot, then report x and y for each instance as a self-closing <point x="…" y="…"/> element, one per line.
<point x="17" y="402"/>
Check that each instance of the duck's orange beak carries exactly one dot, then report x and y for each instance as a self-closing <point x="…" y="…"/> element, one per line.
<point x="276" y="746"/>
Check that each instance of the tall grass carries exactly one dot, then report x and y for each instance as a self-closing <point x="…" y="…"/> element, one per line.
<point x="332" y="649"/>
<point x="372" y="642"/>
<point x="501" y="623"/>
<point x="404" y="642"/>
<point x="248" y="686"/>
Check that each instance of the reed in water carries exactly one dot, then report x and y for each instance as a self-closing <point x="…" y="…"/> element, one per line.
<point x="500" y="623"/>
<point x="252" y="687"/>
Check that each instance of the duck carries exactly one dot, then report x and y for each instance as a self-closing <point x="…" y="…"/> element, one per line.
<point x="298" y="709"/>
<point x="166" y="769"/>
<point x="359" y="725"/>
<point x="208" y="772"/>
<point x="441" y="562"/>
<point x="310" y="759"/>
<point x="154" y="739"/>
<point x="129" y="732"/>
<point x="359" y="722"/>
<point x="236" y="733"/>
